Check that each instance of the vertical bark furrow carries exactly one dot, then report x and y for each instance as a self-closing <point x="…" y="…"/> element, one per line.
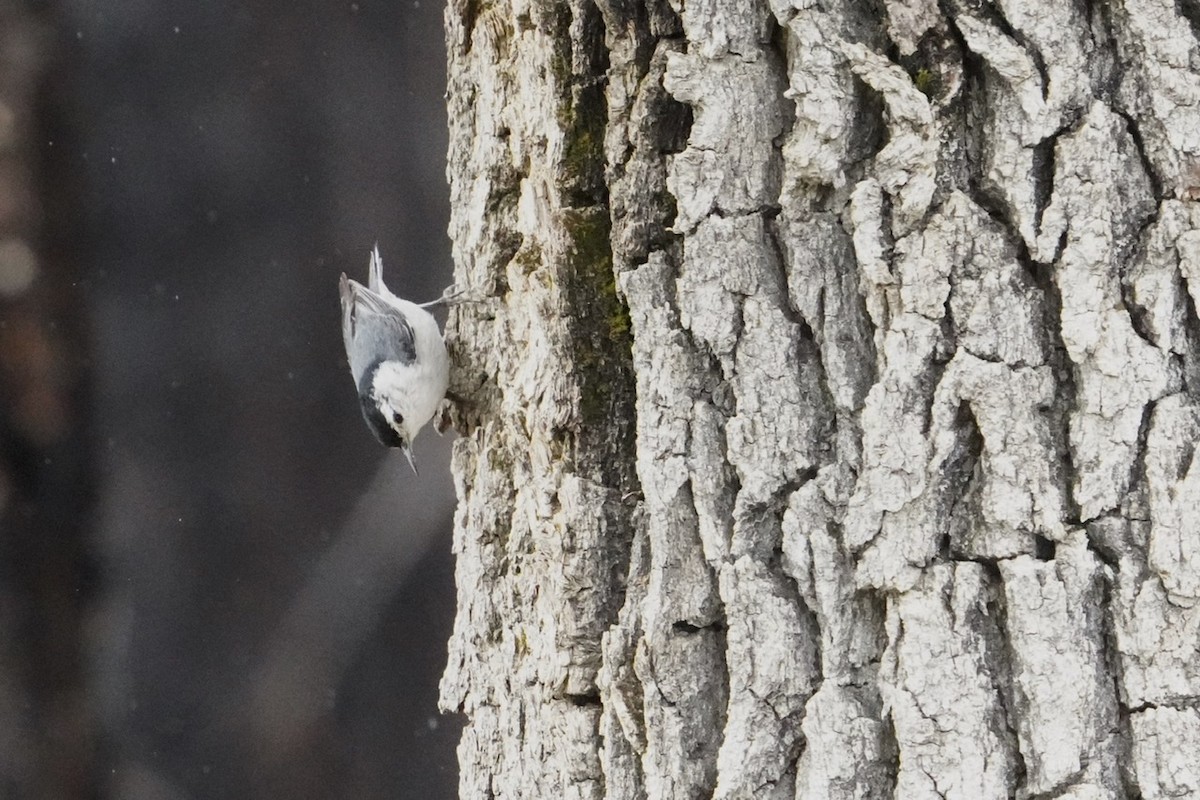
<point x="664" y="685"/>
<point x="847" y="749"/>
<point x="1100" y="200"/>
<point x="679" y="658"/>
<point x="544" y="465"/>
<point x="735" y="305"/>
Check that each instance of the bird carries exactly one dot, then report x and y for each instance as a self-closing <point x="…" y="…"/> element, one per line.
<point x="397" y="358"/>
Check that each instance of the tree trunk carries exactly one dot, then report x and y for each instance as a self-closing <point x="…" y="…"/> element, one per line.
<point x="829" y="430"/>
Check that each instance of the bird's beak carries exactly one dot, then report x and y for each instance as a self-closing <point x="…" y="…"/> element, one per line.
<point x="407" y="449"/>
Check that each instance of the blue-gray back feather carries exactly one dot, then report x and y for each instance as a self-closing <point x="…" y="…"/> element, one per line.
<point x="373" y="329"/>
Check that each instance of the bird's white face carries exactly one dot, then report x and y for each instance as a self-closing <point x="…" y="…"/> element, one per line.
<point x="406" y="397"/>
<point x="397" y="395"/>
<point x="399" y="417"/>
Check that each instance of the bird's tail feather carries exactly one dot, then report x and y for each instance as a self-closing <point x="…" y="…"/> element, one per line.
<point x="375" y="274"/>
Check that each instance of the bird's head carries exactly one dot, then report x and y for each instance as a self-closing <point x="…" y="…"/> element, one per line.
<point x="387" y="408"/>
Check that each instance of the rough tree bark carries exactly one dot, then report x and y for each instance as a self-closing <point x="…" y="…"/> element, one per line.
<point x="830" y="431"/>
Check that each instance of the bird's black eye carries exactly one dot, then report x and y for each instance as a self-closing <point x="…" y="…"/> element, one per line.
<point x="397" y="418"/>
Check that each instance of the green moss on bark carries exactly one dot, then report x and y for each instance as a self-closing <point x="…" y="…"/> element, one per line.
<point x="601" y="335"/>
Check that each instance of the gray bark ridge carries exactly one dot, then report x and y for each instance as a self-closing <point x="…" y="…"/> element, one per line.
<point x="830" y="433"/>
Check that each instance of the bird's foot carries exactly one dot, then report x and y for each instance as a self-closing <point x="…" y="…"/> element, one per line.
<point x="453" y="296"/>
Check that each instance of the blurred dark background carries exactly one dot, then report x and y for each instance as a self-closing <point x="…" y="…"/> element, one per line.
<point x="214" y="583"/>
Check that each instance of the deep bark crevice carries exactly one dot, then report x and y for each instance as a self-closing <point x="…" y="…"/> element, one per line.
<point x="1191" y="327"/>
<point x="1156" y="182"/>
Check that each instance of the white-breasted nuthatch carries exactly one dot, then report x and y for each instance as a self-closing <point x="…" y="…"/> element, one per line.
<point x="397" y="357"/>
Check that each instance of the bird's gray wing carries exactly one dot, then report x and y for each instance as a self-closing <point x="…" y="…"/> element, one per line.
<point x="373" y="329"/>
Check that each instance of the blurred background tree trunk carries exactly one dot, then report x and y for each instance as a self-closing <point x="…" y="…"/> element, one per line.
<point x="48" y="729"/>
<point x="829" y="432"/>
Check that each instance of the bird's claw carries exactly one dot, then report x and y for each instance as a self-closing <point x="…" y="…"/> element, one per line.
<point x="453" y="296"/>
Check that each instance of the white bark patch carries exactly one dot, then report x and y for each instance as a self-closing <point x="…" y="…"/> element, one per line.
<point x="1174" y="479"/>
<point x="998" y="311"/>
<point x="780" y="428"/>
<point x="850" y="623"/>
<point x="720" y="27"/>
<point x="939" y="684"/>
<point x="1063" y="695"/>
<point x="1157" y="276"/>
<point x="731" y="165"/>
<point x="1166" y="741"/>
<point x="896" y="455"/>
<point x="679" y="660"/>
<point x="1018" y="485"/>
<point x="1158" y="641"/>
<point x="849" y="749"/>
<point x="822" y="284"/>
<point x="1186" y="230"/>
<point x="772" y="641"/>
<point x="732" y="297"/>
<point x="543" y="524"/>
<point x="867" y="224"/>
<point x="682" y="582"/>
<point x="684" y="705"/>
<point x="823" y="90"/>
<point x="908" y="20"/>
<point x="549" y="734"/>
